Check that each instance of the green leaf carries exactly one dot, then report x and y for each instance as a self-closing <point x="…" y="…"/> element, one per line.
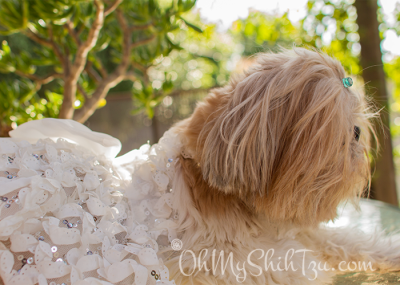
<point x="150" y="112"/>
<point x="193" y="26"/>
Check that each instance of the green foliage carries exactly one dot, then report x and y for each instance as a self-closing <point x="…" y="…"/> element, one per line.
<point x="261" y="32"/>
<point x="172" y="49"/>
<point x="397" y="16"/>
<point x="9" y="62"/>
<point x="205" y="60"/>
<point x="331" y="26"/>
<point x="57" y="31"/>
<point x="147" y="97"/>
<point x="19" y="103"/>
<point x="392" y="70"/>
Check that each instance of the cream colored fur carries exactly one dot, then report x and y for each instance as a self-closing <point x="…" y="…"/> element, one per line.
<point x="273" y="154"/>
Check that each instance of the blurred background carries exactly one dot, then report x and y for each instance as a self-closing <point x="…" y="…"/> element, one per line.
<point x="131" y="69"/>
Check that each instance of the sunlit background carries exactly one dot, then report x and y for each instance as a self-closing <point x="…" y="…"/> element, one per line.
<point x="225" y="12"/>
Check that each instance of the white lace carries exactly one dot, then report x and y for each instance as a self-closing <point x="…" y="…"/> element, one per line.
<point x="68" y="216"/>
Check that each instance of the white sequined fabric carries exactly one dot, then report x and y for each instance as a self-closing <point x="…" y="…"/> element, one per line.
<point x="72" y="213"/>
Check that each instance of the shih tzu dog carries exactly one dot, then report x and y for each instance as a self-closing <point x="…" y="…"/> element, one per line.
<point x="268" y="158"/>
<point x="236" y="193"/>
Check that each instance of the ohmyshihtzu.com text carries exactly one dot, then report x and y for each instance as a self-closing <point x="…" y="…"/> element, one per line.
<point x="309" y="269"/>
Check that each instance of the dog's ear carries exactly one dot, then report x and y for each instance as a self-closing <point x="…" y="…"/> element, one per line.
<point x="282" y="137"/>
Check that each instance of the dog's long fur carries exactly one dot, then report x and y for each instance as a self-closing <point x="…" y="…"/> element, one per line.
<point x="273" y="154"/>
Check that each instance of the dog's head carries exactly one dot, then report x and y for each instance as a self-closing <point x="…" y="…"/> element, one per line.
<point x="284" y="138"/>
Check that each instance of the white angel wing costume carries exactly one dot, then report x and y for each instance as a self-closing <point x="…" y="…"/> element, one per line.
<point x="72" y="213"/>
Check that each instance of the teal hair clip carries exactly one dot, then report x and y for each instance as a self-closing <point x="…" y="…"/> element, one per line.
<point x="347" y="82"/>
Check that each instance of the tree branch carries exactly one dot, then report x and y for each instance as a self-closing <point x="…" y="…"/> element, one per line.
<point x="48" y="43"/>
<point x="39" y="80"/>
<point x="92" y="73"/>
<point x="142" y="68"/>
<point x="143" y="42"/>
<point x="82" y="114"/>
<point x="70" y="27"/>
<point x="33" y="36"/>
<point x="112" y="7"/>
<point x="54" y="46"/>
<point x="85" y="95"/>
<point x="101" y="68"/>
<point x="84" y="48"/>
<point x="70" y="85"/>
<point x="141" y="27"/>
<point x="130" y="76"/>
